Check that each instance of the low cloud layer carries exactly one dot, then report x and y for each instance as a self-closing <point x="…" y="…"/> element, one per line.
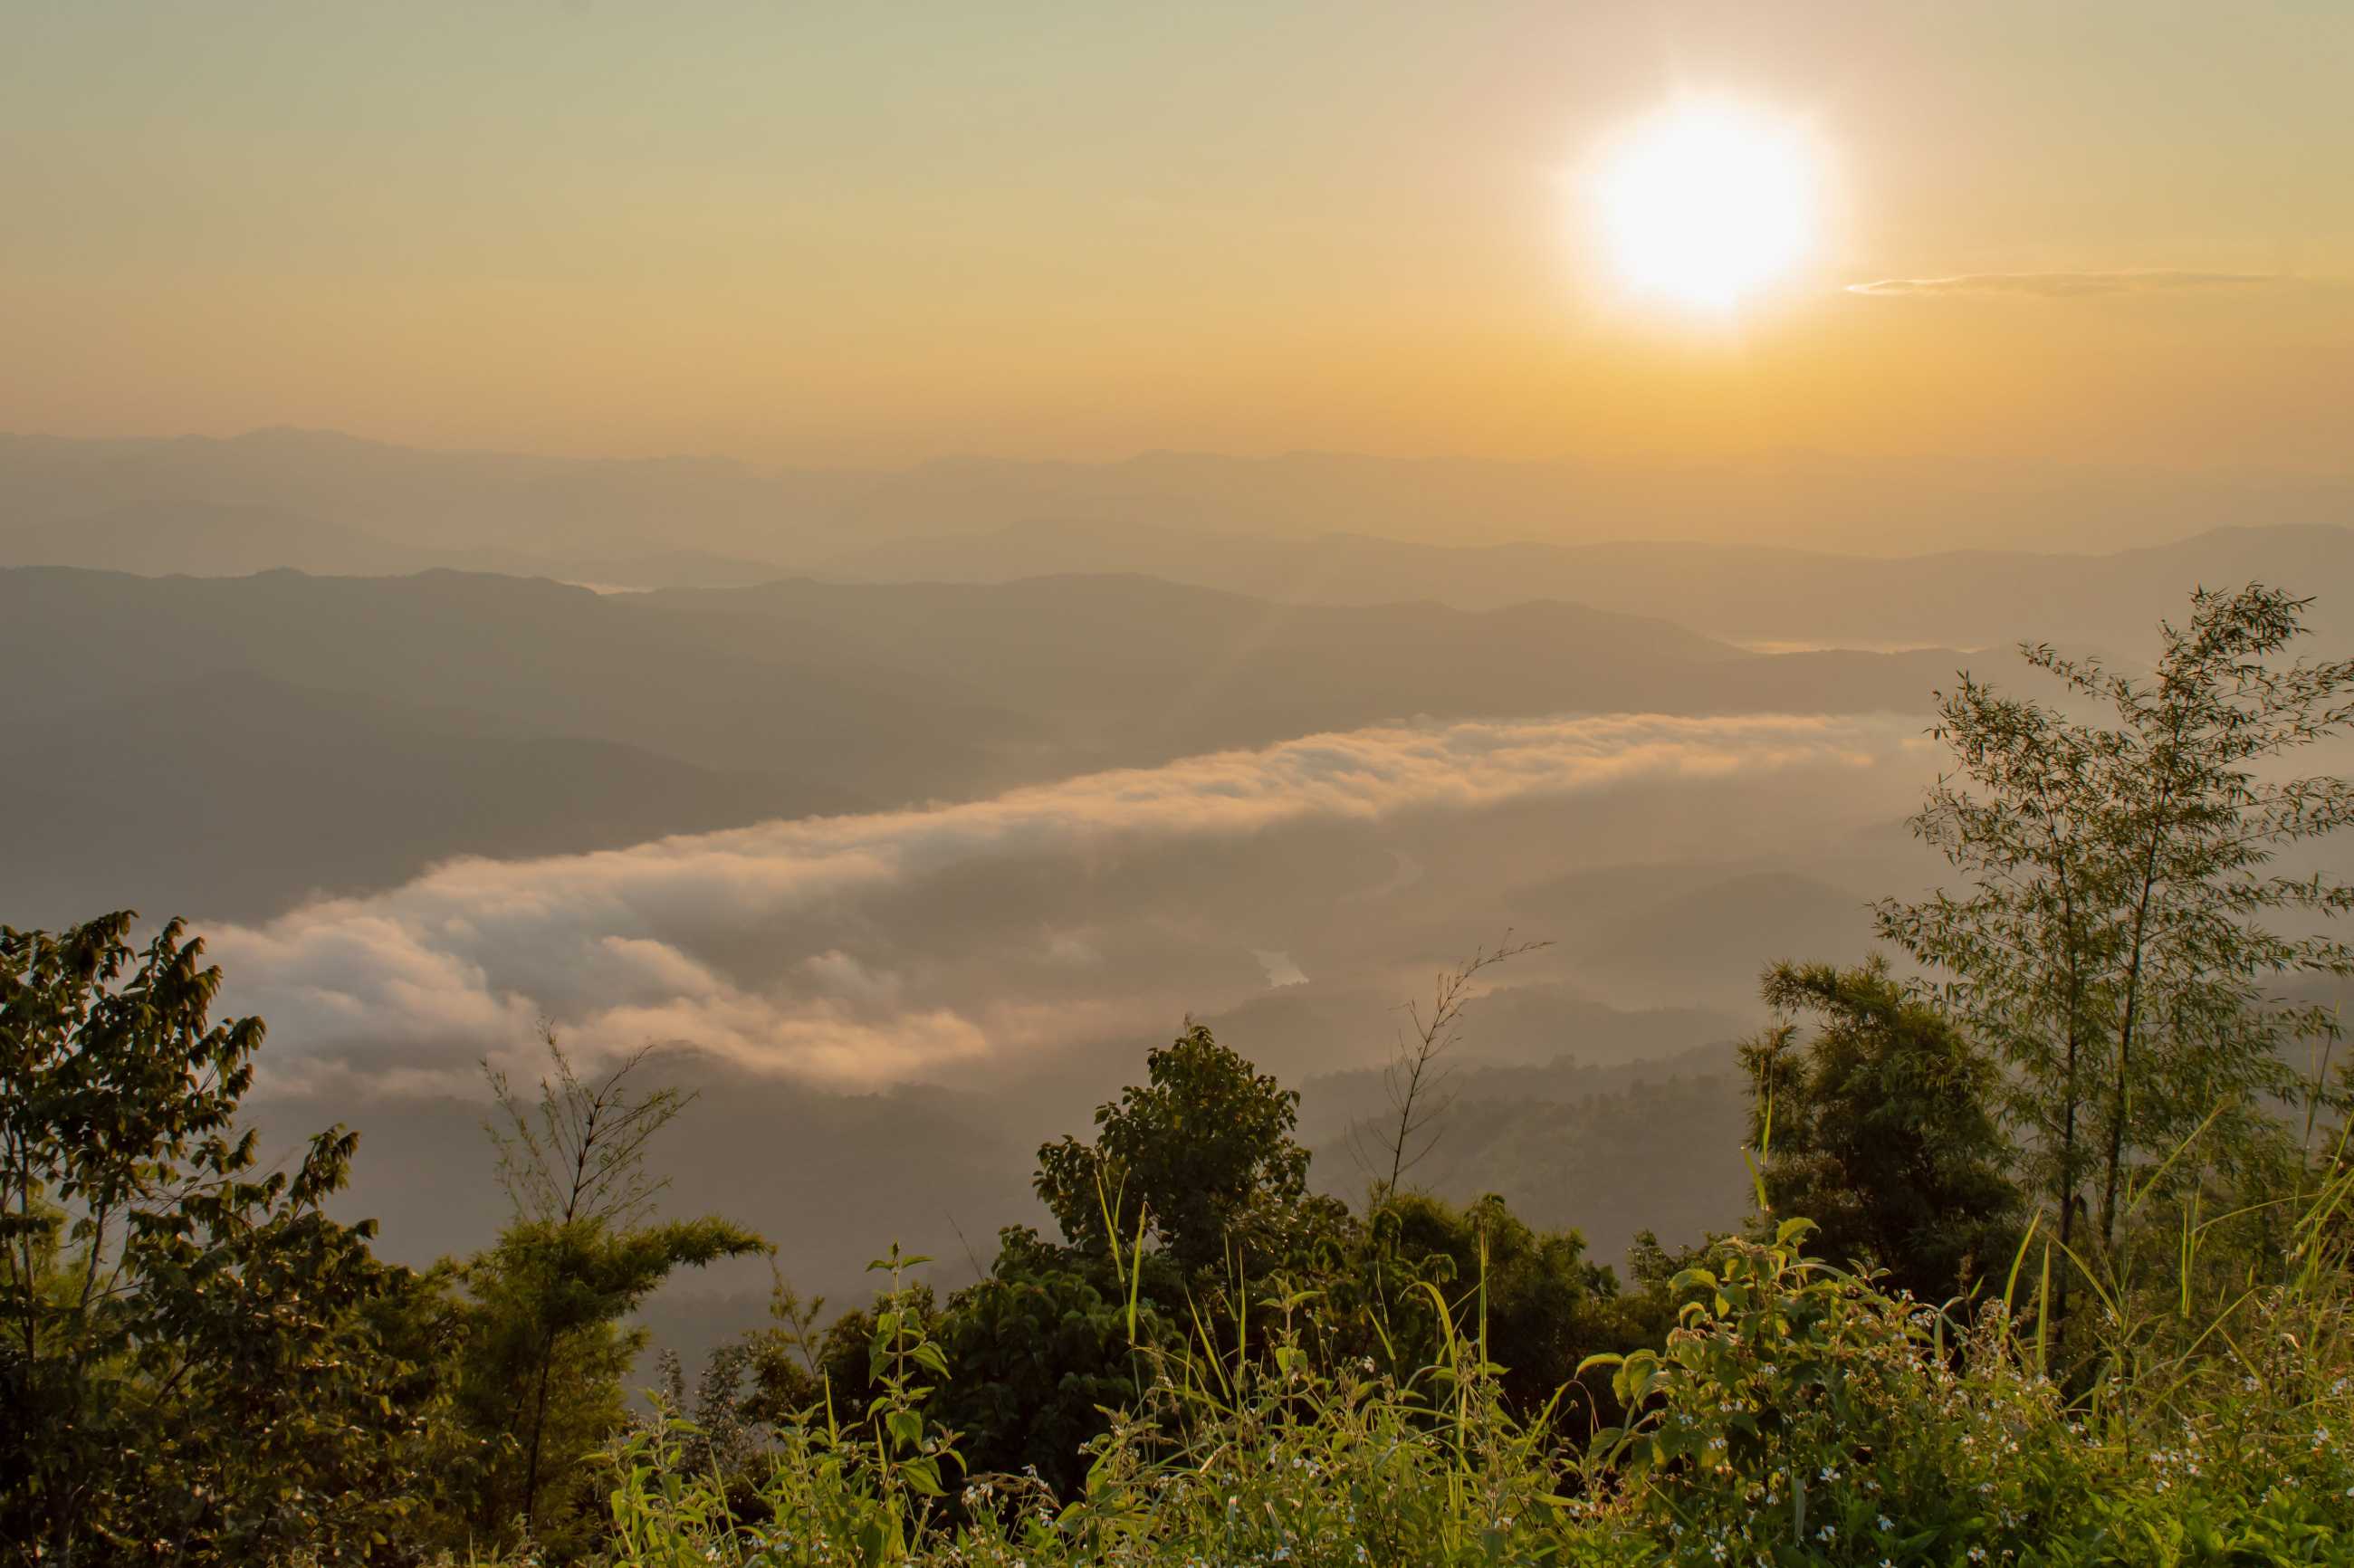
<point x="2063" y="285"/>
<point x="870" y="949"/>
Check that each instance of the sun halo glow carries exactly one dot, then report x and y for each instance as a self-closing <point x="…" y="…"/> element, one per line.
<point x="1706" y="203"/>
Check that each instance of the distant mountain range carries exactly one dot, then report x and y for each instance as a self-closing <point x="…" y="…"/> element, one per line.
<point x="190" y="725"/>
<point x="581" y="511"/>
<point x="2082" y="556"/>
<point x="234" y="793"/>
<point x="242" y="741"/>
<point x="1747" y="593"/>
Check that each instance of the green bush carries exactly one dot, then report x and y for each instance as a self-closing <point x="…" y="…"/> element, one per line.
<point x="1797" y="1414"/>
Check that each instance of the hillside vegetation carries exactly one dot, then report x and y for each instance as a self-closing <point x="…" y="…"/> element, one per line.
<point x="2048" y="1254"/>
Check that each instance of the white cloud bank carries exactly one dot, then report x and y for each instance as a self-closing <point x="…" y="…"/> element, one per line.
<point x="729" y="942"/>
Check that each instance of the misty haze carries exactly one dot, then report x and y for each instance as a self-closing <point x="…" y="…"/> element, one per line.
<point x="1363" y="731"/>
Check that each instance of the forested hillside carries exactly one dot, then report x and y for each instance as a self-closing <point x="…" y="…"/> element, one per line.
<point x="448" y="700"/>
<point x="2034" y="1250"/>
<point x="1390" y="785"/>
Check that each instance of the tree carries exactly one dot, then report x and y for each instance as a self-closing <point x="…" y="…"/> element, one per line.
<point x="782" y="1362"/>
<point x="1201" y="1162"/>
<point x="1204" y="1151"/>
<point x="1543" y="1304"/>
<point x="545" y="1348"/>
<point x="2114" y="946"/>
<point x="191" y="1351"/>
<point x="1415" y="1079"/>
<point x="1042" y="1348"/>
<point x="1881" y="1128"/>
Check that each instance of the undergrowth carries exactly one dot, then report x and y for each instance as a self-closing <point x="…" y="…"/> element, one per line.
<point x="1797" y="1414"/>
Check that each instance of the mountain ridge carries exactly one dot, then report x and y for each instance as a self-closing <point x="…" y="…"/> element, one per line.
<point x="617" y="507"/>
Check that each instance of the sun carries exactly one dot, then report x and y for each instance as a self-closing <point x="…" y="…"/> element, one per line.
<point x="1707" y="202"/>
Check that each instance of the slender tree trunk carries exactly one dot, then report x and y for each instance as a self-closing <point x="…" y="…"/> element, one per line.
<point x="538" y="1427"/>
<point x="2067" y="1195"/>
<point x="2071" y="1097"/>
<point x="2121" y="1093"/>
<point x="548" y="1342"/>
<point x="2120" y="1101"/>
<point x="1405" y="1124"/>
<point x="2120" y="1098"/>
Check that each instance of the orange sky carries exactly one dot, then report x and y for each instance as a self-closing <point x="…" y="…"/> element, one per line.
<point x="874" y="234"/>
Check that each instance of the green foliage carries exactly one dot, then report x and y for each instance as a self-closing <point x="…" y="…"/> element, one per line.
<point x="1797" y="1409"/>
<point x="192" y="1354"/>
<point x="1882" y="1129"/>
<point x="1044" y="1348"/>
<point x="544" y="1350"/>
<point x="537" y="1379"/>
<point x="2116" y="946"/>
<point x="1798" y="1415"/>
<point x="912" y="1454"/>
<point x="1231" y="1458"/>
<point x="782" y="1362"/>
<point x="1216" y="1366"/>
<point x="1204" y="1149"/>
<point x="1545" y="1306"/>
<point x="1056" y="1339"/>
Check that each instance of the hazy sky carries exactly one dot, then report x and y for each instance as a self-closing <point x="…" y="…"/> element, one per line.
<point x="850" y="233"/>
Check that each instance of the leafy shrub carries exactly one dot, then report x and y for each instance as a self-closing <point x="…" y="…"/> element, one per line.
<point x="1798" y="1414"/>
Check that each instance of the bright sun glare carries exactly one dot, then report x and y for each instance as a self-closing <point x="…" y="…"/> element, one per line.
<point x="1707" y="202"/>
